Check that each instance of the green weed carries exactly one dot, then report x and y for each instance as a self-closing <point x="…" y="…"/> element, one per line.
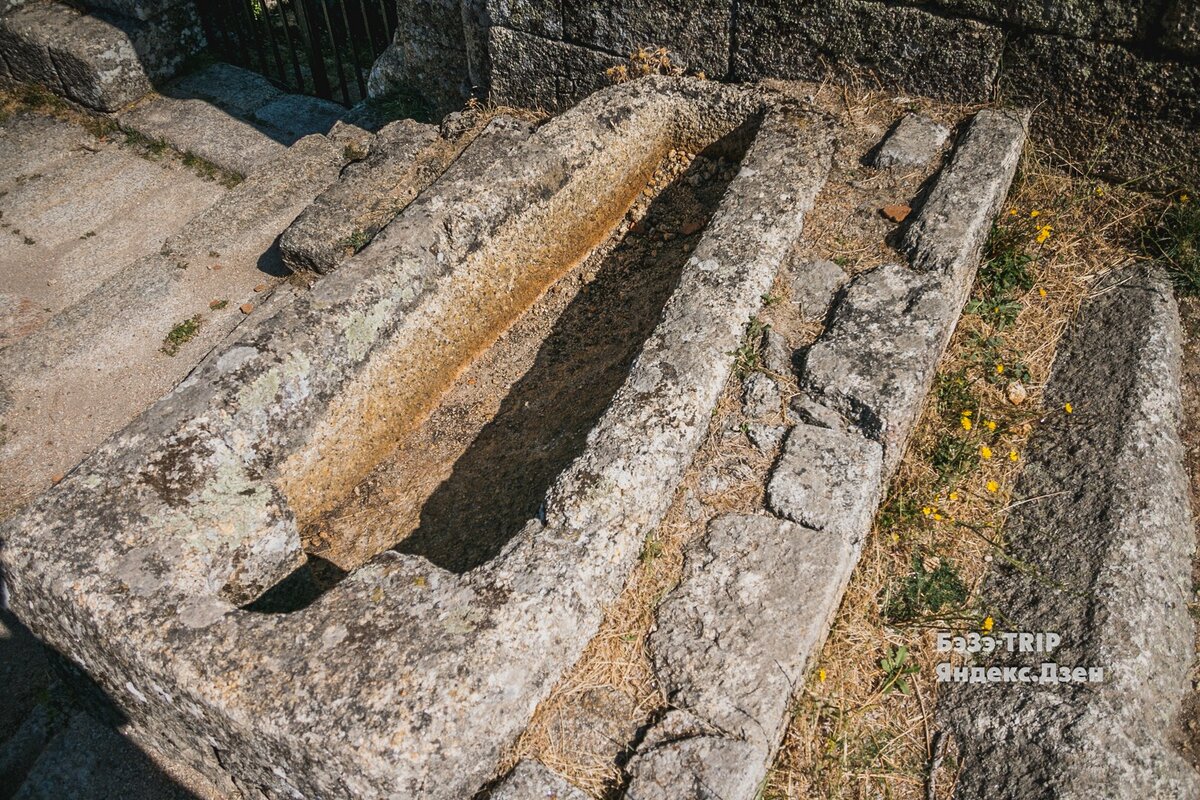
<point x="924" y="591"/>
<point x="896" y="671"/>
<point x="1174" y="239"/>
<point x="180" y="335"/>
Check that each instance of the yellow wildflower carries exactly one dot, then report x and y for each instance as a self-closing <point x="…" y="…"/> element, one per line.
<point x="1067" y="408"/>
<point x="937" y="517"/>
<point x="895" y="538"/>
<point x="966" y="423"/>
<point x="991" y="425"/>
<point x="999" y="369"/>
<point x="1035" y="213"/>
<point x="966" y="412"/>
<point x="1041" y="291"/>
<point x="821" y="674"/>
<point x="1044" y="233"/>
<point x="987" y="624"/>
<point x="985" y="451"/>
<point x="1099" y="191"/>
<point x="927" y="511"/>
<point x="992" y="486"/>
<point x="1183" y="198"/>
<point x="954" y="495"/>
<point x="1012" y="212"/>
<point x="1012" y="455"/>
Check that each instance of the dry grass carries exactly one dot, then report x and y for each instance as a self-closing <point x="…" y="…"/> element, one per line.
<point x="848" y="740"/>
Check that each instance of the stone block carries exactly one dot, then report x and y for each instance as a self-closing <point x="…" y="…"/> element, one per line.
<point x="803" y="409"/>
<point x="527" y="70"/>
<point x="141" y="563"/>
<point x="1181" y="27"/>
<point x="1103" y="535"/>
<point x="678" y="764"/>
<point x="696" y="34"/>
<point x="197" y="126"/>
<point x="876" y="361"/>
<point x="530" y="780"/>
<point x="827" y="480"/>
<point x="83" y="57"/>
<point x="952" y="225"/>
<point x="404" y="158"/>
<point x="814" y="283"/>
<point x="236" y="90"/>
<point x="753" y="604"/>
<point x="761" y="398"/>
<point x="943" y="57"/>
<point x="297" y="116"/>
<point x="914" y="141"/>
<point x="441" y="73"/>
<point x="165" y="41"/>
<point x="1106" y="20"/>
<point x="543" y="18"/>
<point x="1104" y="104"/>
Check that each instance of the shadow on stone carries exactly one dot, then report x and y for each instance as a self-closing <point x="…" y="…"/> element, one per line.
<point x="500" y="482"/>
<point x="57" y="731"/>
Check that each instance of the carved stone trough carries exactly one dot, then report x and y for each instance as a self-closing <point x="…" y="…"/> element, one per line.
<point x="154" y="564"/>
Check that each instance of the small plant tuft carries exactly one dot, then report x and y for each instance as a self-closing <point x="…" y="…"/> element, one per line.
<point x="925" y="591"/>
<point x="896" y="671"/>
<point x="356" y="241"/>
<point x="180" y="335"/>
<point x="746" y="357"/>
<point x="1174" y="239"/>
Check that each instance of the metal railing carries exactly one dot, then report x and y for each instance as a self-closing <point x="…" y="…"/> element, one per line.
<point x="320" y="47"/>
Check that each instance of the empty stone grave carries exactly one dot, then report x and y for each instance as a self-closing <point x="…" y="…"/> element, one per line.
<point x="374" y="517"/>
<point x="280" y="425"/>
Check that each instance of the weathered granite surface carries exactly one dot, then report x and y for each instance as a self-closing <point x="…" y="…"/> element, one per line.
<point x="682" y="757"/>
<point x="1087" y="58"/>
<point x="876" y="361"/>
<point x="914" y="141"/>
<point x="529" y="780"/>
<point x="233" y="89"/>
<point x="1131" y="117"/>
<point x="136" y="563"/>
<point x="403" y="159"/>
<point x="757" y="593"/>
<point x="814" y="282"/>
<point x="99" y="60"/>
<point x="827" y="480"/>
<point x="902" y="46"/>
<point x="1103" y="533"/>
<point x="82" y="57"/>
<point x="754" y="602"/>
<point x="544" y="73"/>
<point x="201" y="128"/>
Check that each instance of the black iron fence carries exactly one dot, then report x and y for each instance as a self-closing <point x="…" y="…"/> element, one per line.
<point x="320" y="47"/>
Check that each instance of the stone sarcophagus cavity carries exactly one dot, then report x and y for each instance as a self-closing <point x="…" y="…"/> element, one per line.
<point x="220" y="567"/>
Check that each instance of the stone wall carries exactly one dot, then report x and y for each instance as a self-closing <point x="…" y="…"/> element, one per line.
<point x="1114" y="83"/>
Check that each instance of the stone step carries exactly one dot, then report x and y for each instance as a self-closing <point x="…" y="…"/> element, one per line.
<point x="230" y="117"/>
<point x="99" y="60"/>
<point x="404" y="158"/>
<point x="69" y="225"/>
<point x="104" y="352"/>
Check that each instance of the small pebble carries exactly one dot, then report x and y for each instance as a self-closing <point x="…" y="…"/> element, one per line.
<point x="246" y="308"/>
